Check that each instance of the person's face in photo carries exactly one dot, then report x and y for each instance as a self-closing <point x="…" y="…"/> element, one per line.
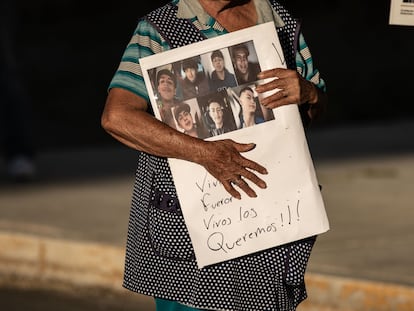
<point x="247" y="101"/>
<point x="190" y="73"/>
<point x="185" y="121"/>
<point x="218" y="64"/>
<point x="216" y="114"/>
<point x="166" y="87"/>
<point x="241" y="60"/>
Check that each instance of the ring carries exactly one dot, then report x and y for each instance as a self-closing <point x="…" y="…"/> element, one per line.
<point x="238" y="181"/>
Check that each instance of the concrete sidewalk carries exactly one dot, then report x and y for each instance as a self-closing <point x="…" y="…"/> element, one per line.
<point x="68" y="228"/>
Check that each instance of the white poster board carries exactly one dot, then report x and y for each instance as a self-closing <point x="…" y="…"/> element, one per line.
<point x="402" y="12"/>
<point x="291" y="208"/>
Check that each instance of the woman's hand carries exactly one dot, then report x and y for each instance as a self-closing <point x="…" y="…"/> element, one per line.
<point x="291" y="88"/>
<point x="124" y="117"/>
<point x="223" y="160"/>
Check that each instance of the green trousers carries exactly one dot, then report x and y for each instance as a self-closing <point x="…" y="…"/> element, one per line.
<point x="168" y="305"/>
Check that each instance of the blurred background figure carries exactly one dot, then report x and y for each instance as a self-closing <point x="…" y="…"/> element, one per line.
<point x="15" y="108"/>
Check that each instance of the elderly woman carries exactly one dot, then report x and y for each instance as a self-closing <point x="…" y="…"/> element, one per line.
<point x="161" y="262"/>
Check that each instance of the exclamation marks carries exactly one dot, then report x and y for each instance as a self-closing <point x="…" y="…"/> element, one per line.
<point x="289" y="213"/>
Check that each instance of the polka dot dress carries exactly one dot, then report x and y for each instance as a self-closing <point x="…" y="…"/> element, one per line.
<point x="160" y="259"/>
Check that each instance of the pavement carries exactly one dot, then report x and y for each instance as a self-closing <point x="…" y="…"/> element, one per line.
<point x="62" y="236"/>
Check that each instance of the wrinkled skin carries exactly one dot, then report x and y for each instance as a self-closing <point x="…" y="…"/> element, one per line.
<point x="125" y="116"/>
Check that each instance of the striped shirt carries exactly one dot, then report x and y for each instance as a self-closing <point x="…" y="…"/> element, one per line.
<point x="146" y="41"/>
<point x="160" y="259"/>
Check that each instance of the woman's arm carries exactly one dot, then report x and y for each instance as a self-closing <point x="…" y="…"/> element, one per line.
<point x="125" y="118"/>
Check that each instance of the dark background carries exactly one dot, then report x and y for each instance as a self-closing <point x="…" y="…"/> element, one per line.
<point x="68" y="51"/>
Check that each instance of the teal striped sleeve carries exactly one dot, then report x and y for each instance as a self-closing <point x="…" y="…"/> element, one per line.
<point x="144" y="42"/>
<point x="304" y="64"/>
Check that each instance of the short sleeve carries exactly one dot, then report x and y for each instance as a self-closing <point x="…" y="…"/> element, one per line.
<point x="305" y="65"/>
<point x="145" y="41"/>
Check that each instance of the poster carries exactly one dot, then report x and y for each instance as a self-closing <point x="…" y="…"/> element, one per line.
<point x="402" y="12"/>
<point x="221" y="227"/>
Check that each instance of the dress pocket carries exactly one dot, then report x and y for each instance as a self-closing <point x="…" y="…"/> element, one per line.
<point x="167" y="231"/>
<point x="297" y="260"/>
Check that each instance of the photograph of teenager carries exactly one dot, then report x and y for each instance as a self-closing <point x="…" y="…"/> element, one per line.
<point x="249" y="106"/>
<point x="219" y="116"/>
<point x="220" y="77"/>
<point x="187" y="123"/>
<point x="166" y="85"/>
<point x="195" y="82"/>
<point x="246" y="70"/>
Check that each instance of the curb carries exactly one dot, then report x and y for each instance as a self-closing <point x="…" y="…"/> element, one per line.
<point x="346" y="294"/>
<point x="56" y="263"/>
<point x="40" y="259"/>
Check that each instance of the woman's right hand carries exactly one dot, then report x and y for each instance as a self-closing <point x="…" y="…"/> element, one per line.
<point x="223" y="160"/>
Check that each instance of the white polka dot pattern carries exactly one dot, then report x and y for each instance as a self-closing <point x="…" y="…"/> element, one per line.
<point x="177" y="33"/>
<point x="159" y="255"/>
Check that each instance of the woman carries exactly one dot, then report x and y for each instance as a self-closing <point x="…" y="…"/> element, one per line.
<point x="159" y="258"/>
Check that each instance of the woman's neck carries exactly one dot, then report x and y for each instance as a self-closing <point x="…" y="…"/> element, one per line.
<point x="232" y="15"/>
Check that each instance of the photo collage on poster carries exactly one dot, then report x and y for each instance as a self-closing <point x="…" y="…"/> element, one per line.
<point x="212" y="93"/>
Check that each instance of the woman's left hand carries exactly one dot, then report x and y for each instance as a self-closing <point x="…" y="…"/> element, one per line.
<point x="290" y="86"/>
